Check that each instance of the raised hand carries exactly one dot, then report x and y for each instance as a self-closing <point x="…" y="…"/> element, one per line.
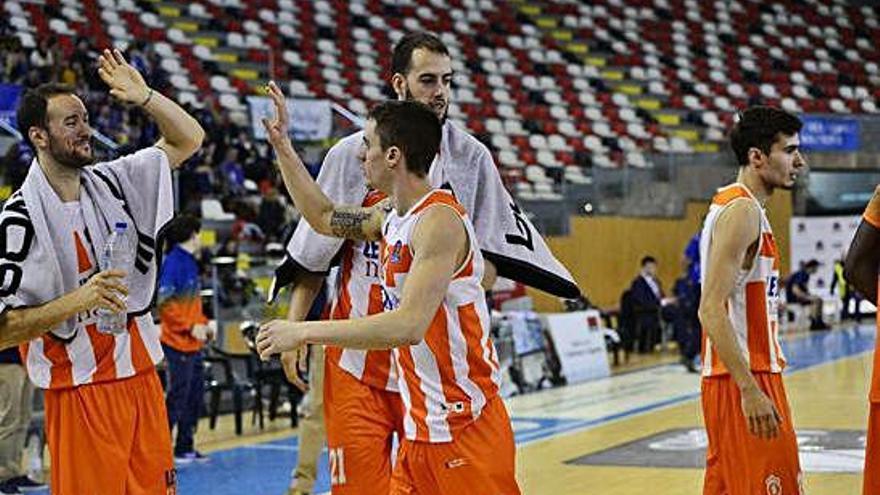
<point x="126" y="83"/>
<point x="104" y="290"/>
<point x="276" y="128"/>
<point x="278" y="336"/>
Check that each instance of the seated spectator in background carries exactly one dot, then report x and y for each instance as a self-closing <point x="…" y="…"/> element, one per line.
<point x="272" y="215"/>
<point x="647" y="301"/>
<point x="797" y="291"/>
<point x="233" y="173"/>
<point x="245" y="231"/>
<point x="43" y="59"/>
<point x="15" y="64"/>
<point x="185" y="329"/>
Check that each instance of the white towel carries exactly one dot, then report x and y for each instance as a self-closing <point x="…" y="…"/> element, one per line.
<point x="506" y="236"/>
<point x="38" y="260"/>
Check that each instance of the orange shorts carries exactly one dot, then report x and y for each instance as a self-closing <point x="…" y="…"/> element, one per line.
<point x="361" y="421"/>
<point x="110" y="438"/>
<point x="480" y="459"/>
<point x="737" y="462"/>
<point x="872" y="452"/>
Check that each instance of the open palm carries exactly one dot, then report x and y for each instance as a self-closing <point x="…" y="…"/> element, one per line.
<point x="126" y="83"/>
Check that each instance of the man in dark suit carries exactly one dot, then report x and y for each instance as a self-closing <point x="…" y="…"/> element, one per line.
<point x="647" y="300"/>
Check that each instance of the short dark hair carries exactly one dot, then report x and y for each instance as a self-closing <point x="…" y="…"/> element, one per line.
<point x="759" y="127"/>
<point x="401" y="60"/>
<point x="33" y="106"/>
<point x="648" y="259"/>
<point x="181" y="229"/>
<point x="411" y="126"/>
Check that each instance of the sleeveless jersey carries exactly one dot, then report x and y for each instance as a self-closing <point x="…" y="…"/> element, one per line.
<point x="447" y="378"/>
<point x="753" y="305"/>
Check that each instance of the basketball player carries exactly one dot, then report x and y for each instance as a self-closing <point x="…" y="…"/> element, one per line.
<point x="106" y="424"/>
<point x="752" y="445"/>
<point x="360" y="388"/>
<point x="457" y="433"/>
<point x="861" y="270"/>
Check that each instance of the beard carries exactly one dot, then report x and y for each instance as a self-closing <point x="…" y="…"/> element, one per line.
<point x="70" y="157"/>
<point x="409" y="97"/>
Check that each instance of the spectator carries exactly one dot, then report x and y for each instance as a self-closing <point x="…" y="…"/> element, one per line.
<point x="15" y="66"/>
<point x="16" y="402"/>
<point x="647" y="302"/>
<point x="184" y="332"/>
<point x="686" y="322"/>
<point x="43" y="59"/>
<point x="797" y="291"/>
<point x="233" y="173"/>
<point x="272" y="215"/>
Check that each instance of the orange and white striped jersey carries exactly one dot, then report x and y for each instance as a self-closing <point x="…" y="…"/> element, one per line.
<point x="358" y="293"/>
<point x="86" y="355"/>
<point x="448" y="377"/>
<point x="753" y="305"/>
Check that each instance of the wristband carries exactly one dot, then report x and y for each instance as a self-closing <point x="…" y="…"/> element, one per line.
<point x="149" y="96"/>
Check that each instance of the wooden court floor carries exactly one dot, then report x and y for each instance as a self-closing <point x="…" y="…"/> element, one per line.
<point x="615" y="436"/>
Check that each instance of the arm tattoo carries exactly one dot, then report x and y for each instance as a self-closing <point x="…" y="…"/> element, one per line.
<point x="349" y="224"/>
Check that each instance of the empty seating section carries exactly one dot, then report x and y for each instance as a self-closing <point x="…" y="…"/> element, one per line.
<point x="551" y="87"/>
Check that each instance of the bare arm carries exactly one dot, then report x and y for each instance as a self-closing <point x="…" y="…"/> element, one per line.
<point x="302" y="296"/>
<point x="181" y="133"/>
<point x="736" y="230"/>
<point x="350" y="222"/>
<point x="439" y="244"/>
<point x="18" y="326"/>
<point x="862" y="263"/>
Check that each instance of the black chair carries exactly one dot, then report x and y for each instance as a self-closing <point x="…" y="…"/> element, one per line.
<point x="223" y="373"/>
<point x="269" y="374"/>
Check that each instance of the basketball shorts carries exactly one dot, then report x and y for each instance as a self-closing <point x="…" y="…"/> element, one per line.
<point x="480" y="459"/>
<point x="110" y="438"/>
<point x="737" y="462"/>
<point x="360" y="421"/>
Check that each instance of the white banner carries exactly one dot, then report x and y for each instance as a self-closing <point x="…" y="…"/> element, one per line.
<point x="580" y="344"/>
<point x="825" y="239"/>
<point x="310" y="120"/>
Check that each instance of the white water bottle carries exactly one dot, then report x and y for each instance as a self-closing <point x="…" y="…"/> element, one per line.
<point x="116" y="255"/>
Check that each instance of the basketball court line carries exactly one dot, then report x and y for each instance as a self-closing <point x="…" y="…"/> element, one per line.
<point x="265" y="467"/>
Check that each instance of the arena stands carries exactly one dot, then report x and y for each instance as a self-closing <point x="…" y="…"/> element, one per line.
<point x="552" y="87"/>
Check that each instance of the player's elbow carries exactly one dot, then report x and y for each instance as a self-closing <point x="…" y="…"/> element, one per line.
<point x="194" y="140"/>
<point x="413" y="328"/>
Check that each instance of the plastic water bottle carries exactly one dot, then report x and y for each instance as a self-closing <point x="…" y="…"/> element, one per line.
<point x="115" y="256"/>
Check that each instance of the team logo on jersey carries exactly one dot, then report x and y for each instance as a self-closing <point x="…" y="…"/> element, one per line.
<point x="395" y="252"/>
<point x="773" y="484"/>
<point x="389" y="300"/>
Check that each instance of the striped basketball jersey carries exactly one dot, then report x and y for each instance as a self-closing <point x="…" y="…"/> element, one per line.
<point x="448" y="377"/>
<point x="358" y="293"/>
<point x="753" y="305"/>
<point x="86" y="355"/>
